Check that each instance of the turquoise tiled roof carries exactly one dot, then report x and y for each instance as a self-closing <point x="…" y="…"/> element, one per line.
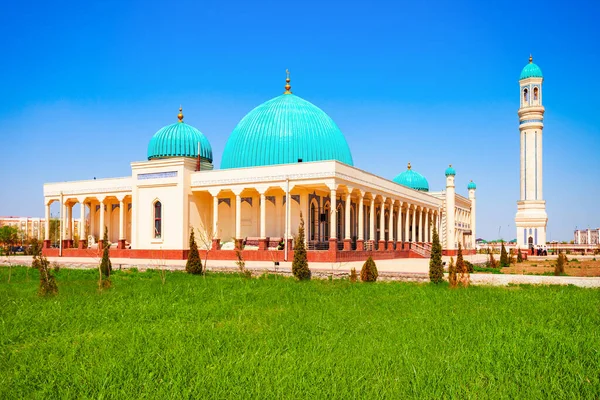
<point x="413" y="180"/>
<point x="531" y="70"/>
<point x="450" y="171"/>
<point x="471" y="185"/>
<point x="179" y="140"/>
<point x="282" y="131"/>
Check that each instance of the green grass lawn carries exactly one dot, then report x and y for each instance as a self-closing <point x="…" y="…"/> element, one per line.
<point x="223" y="336"/>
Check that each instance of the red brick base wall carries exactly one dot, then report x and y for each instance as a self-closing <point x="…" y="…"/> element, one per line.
<point x="249" y="255"/>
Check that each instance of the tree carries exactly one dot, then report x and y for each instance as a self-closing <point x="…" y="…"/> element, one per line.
<point x="461" y="268"/>
<point x="105" y="264"/>
<point x="54" y="230"/>
<point x="194" y="263"/>
<point x="559" y="268"/>
<point x="436" y="268"/>
<point x="504" y="263"/>
<point x="369" y="273"/>
<point x="9" y="236"/>
<point x="519" y="256"/>
<point x="300" y="264"/>
<point x="493" y="263"/>
<point x="48" y="284"/>
<point x="206" y="235"/>
<point x="452" y="273"/>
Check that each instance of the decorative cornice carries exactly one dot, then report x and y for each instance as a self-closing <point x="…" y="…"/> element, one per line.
<point x="89" y="191"/>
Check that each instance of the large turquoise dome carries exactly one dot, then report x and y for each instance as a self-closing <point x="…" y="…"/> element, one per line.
<point x="179" y="140"/>
<point x="413" y="180"/>
<point x="531" y="70"/>
<point x="284" y="130"/>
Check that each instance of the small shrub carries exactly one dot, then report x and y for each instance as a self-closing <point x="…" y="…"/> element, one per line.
<point x="469" y="266"/>
<point x="504" y="263"/>
<point x="241" y="264"/>
<point x="105" y="264"/>
<point x="493" y="263"/>
<point x="463" y="275"/>
<point x="573" y="260"/>
<point x="436" y="268"/>
<point x="519" y="256"/>
<point x="559" y="268"/>
<point x="369" y="273"/>
<point x="353" y="275"/>
<point x="300" y="264"/>
<point x="452" y="273"/>
<point x="194" y="263"/>
<point x="48" y="284"/>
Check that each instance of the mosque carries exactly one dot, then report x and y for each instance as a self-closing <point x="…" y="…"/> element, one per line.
<point x="285" y="159"/>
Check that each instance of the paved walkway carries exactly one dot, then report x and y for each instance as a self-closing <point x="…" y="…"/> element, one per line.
<point x="410" y="269"/>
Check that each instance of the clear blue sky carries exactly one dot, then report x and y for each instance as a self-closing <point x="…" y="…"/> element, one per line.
<point x="84" y="86"/>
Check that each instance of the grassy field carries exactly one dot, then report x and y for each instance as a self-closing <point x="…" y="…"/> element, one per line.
<point x="223" y="336"/>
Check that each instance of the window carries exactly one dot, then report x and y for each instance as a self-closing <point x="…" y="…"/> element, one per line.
<point x="535" y="94"/>
<point x="525" y="93"/>
<point x="157" y="220"/>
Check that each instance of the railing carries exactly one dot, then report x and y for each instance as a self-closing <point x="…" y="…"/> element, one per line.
<point x="317" y="245"/>
<point x="421" y="250"/>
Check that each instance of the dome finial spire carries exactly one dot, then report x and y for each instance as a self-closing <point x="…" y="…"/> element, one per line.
<point x="180" y="115"/>
<point x="409" y="167"/>
<point x="530" y="58"/>
<point x="288" y="87"/>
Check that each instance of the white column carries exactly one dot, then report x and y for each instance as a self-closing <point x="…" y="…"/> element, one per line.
<point x="263" y="216"/>
<point x="333" y="215"/>
<point x="82" y="221"/>
<point x="414" y="225"/>
<point x="391" y="223"/>
<point x="121" y="219"/>
<point x="427" y="239"/>
<point x="347" y="227"/>
<point x="382" y="220"/>
<point x="215" y="221"/>
<point x="63" y="221"/>
<point x="450" y="213"/>
<point x="47" y="222"/>
<point x="238" y="216"/>
<point x="92" y="218"/>
<point x="372" y="219"/>
<point x="108" y="218"/>
<point x="399" y="224"/>
<point x="361" y="216"/>
<point x="102" y="224"/>
<point x="420" y="235"/>
<point x="407" y="223"/>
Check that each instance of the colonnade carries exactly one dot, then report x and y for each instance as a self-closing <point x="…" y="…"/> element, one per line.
<point x="96" y="206"/>
<point x="383" y="222"/>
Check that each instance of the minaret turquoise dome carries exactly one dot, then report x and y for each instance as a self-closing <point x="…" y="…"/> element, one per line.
<point x="471" y="185"/>
<point x="179" y="140"/>
<point x="284" y="130"/>
<point x="450" y="171"/>
<point x="531" y="70"/>
<point x="413" y="180"/>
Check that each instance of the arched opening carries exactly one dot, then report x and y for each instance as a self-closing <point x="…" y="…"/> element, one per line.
<point x="314" y="221"/>
<point x="525" y="96"/>
<point x="157" y="220"/>
<point x="535" y="94"/>
<point x="327" y="219"/>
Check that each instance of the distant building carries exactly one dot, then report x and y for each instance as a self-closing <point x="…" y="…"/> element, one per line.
<point x="588" y="236"/>
<point x="32" y="227"/>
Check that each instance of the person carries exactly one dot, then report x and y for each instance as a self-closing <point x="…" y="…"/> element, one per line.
<point x="545" y="250"/>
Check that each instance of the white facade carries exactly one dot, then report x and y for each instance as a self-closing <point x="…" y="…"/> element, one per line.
<point x="261" y="202"/>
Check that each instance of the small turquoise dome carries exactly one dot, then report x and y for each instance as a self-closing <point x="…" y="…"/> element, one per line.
<point x="471" y="185"/>
<point x="179" y="140"/>
<point x="450" y="171"/>
<point x="413" y="180"/>
<point x="531" y="70"/>
<point x="284" y="130"/>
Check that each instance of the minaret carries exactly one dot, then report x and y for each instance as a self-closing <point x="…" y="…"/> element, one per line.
<point x="531" y="218"/>
<point x="472" y="187"/>
<point x="450" y="209"/>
